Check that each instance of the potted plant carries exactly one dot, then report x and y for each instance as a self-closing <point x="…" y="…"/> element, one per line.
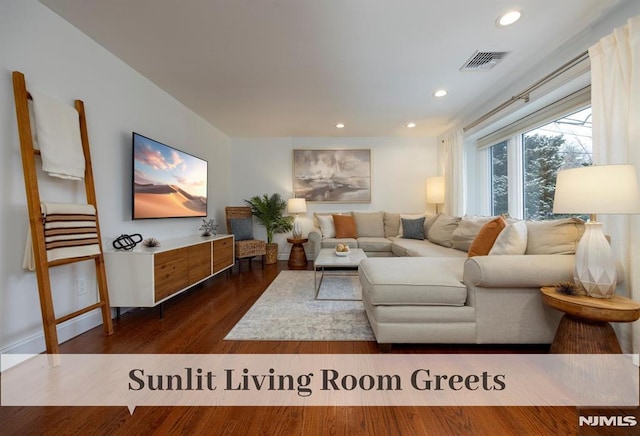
<point x="269" y="210"/>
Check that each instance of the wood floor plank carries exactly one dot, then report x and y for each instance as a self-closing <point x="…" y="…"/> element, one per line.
<point x="197" y="322"/>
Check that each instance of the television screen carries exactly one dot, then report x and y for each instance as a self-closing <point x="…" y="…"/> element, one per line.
<point x="167" y="183"/>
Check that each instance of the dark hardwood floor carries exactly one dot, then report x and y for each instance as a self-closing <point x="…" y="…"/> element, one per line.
<point x="198" y="320"/>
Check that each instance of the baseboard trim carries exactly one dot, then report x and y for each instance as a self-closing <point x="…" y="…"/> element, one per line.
<point x="34" y="344"/>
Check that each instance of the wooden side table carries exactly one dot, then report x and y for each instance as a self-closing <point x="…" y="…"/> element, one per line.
<point x="585" y="328"/>
<point x="297" y="257"/>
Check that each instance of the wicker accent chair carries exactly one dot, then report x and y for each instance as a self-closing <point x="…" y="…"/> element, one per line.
<point x="247" y="249"/>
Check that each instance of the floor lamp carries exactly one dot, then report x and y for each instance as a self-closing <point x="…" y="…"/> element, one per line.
<point x="600" y="189"/>
<point x="435" y="190"/>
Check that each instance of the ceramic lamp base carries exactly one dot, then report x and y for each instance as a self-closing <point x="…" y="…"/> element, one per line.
<point x="595" y="268"/>
<point x="297" y="229"/>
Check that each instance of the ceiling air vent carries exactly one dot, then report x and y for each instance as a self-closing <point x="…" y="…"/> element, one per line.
<point x="483" y="60"/>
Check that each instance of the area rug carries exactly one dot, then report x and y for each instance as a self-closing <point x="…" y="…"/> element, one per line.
<point x="287" y="311"/>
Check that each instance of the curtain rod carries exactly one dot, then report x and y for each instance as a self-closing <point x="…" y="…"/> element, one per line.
<point x="524" y="95"/>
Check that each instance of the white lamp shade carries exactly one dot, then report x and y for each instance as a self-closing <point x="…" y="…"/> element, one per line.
<point x="600" y="189"/>
<point x="297" y="205"/>
<point x="435" y="190"/>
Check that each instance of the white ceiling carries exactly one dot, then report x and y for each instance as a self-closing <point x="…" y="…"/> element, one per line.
<point x="297" y="67"/>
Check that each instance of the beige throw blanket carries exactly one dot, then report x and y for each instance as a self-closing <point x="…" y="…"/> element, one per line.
<point x="70" y="231"/>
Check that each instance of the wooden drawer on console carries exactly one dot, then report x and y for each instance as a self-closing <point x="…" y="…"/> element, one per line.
<point x="222" y="254"/>
<point x="171" y="272"/>
<point x="199" y="262"/>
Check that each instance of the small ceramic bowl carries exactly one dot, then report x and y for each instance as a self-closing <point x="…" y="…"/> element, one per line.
<point x="343" y="253"/>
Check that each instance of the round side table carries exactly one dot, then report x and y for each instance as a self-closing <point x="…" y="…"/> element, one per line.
<point x="585" y="328"/>
<point x="297" y="257"/>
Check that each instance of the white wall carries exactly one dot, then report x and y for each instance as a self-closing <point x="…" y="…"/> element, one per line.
<point x="59" y="60"/>
<point x="399" y="170"/>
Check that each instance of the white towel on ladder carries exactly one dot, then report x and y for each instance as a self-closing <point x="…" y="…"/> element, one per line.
<point x="58" y="137"/>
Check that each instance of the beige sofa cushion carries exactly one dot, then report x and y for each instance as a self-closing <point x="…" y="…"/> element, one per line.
<point x="372" y="245"/>
<point x="391" y="224"/>
<point x="415" y="248"/>
<point x="332" y="242"/>
<point x="370" y="224"/>
<point x="441" y="231"/>
<point x="512" y="239"/>
<point x="327" y="228"/>
<point x="554" y="236"/>
<point x="413" y="281"/>
<point x="467" y="230"/>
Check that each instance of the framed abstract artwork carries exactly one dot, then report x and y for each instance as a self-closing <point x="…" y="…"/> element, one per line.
<point x="333" y="176"/>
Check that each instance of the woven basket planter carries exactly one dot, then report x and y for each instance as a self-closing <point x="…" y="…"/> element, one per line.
<point x="272" y="254"/>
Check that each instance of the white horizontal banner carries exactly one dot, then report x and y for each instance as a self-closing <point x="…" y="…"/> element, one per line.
<point x="320" y="379"/>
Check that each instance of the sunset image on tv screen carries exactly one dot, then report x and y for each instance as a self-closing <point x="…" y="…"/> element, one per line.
<point x="167" y="182"/>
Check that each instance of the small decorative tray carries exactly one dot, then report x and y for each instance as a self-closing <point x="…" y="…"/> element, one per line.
<point x="343" y="253"/>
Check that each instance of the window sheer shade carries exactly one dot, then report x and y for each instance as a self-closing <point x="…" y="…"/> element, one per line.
<point x="567" y="105"/>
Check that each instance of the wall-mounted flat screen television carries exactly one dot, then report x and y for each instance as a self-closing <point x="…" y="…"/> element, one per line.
<point x="167" y="183"/>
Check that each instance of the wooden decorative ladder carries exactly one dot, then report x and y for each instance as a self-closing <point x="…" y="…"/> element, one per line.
<point x="36" y="222"/>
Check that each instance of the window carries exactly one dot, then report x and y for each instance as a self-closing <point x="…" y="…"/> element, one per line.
<point x="499" y="179"/>
<point x="534" y="158"/>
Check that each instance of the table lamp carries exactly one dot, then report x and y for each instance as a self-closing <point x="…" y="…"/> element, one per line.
<point x="296" y="206"/>
<point x="599" y="189"/>
<point x="435" y="190"/>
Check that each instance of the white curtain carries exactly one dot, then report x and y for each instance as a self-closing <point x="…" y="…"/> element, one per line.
<point x="451" y="165"/>
<point x="615" y="97"/>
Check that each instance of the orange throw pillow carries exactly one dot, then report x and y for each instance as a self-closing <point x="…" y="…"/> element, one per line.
<point x="345" y="226"/>
<point x="486" y="237"/>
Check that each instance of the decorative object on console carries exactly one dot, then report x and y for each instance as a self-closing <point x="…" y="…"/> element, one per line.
<point x="296" y="206"/>
<point x="151" y="243"/>
<point x="127" y="242"/>
<point x="334" y="176"/>
<point x="601" y="189"/>
<point x="435" y="190"/>
<point x="208" y="227"/>
<point x="269" y="209"/>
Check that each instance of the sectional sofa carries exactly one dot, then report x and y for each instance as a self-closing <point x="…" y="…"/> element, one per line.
<point x="424" y="288"/>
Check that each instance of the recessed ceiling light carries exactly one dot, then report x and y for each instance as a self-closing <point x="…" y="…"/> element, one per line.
<point x="440" y="93"/>
<point x="340" y="126"/>
<point x="508" y="18"/>
<point x="411" y="125"/>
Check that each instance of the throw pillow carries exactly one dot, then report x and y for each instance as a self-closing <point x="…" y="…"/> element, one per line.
<point x="486" y="237"/>
<point x="410" y="217"/>
<point x="327" y="228"/>
<point x="413" y="228"/>
<point x="345" y="226"/>
<point x="467" y="230"/>
<point x="391" y="224"/>
<point x="441" y="231"/>
<point x="554" y="236"/>
<point x="242" y="228"/>
<point x="370" y="224"/>
<point x="511" y="240"/>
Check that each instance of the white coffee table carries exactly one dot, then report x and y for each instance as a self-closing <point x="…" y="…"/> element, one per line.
<point x="327" y="258"/>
